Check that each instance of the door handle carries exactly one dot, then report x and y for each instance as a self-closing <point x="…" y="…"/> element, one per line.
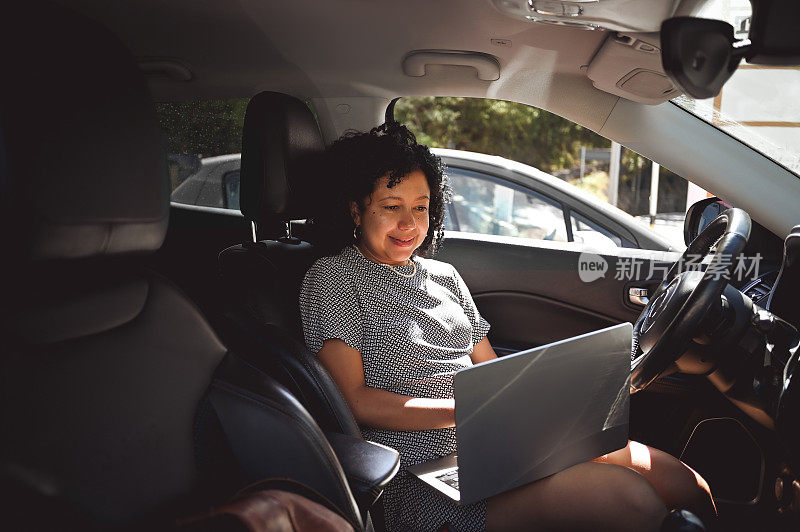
<point x="638" y="296"/>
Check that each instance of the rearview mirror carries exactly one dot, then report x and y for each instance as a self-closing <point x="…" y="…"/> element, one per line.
<point x="700" y="215"/>
<point x="773" y="33"/>
<point x="698" y="54"/>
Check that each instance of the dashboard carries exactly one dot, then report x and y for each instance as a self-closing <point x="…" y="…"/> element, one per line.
<point x="777" y="291"/>
<point x="757" y="371"/>
<point x="772" y="280"/>
<point x="783" y="296"/>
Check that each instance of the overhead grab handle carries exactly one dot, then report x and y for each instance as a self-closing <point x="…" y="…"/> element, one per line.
<point x="165" y="68"/>
<point x="487" y="66"/>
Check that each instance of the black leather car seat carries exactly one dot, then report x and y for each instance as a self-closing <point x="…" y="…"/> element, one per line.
<point x="104" y="364"/>
<point x="282" y="149"/>
<point x="281" y="153"/>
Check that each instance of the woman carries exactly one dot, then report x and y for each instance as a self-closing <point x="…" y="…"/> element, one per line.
<point x="392" y="328"/>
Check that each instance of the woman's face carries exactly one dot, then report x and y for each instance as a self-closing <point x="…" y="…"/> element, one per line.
<point x="394" y="221"/>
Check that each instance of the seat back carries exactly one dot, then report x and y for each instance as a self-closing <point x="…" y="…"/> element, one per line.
<point x="269" y="435"/>
<point x="281" y="149"/>
<point x="104" y="364"/>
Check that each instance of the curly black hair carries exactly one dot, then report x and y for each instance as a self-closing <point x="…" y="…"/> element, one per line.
<point x="355" y="162"/>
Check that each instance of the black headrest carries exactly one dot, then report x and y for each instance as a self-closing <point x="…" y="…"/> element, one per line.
<point x="281" y="148"/>
<point x="86" y="168"/>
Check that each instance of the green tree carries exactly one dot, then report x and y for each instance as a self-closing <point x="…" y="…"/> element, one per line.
<point x="511" y="130"/>
<point x="533" y="136"/>
<point x="205" y="128"/>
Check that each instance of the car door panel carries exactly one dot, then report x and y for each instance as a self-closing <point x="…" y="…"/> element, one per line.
<point x="532" y="293"/>
<point x="521" y="321"/>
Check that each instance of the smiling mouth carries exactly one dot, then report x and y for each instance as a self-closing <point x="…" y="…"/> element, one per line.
<point x="401" y="242"/>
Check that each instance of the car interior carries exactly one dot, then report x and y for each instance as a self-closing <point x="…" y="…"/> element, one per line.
<point x="154" y="362"/>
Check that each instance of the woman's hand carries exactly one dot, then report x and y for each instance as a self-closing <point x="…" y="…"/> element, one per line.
<point x="378" y="408"/>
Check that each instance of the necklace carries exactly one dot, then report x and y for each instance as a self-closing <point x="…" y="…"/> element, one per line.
<point x="401" y="274"/>
<point x="406" y="275"/>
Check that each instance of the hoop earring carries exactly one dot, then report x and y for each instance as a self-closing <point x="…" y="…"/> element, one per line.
<point x="356" y="232"/>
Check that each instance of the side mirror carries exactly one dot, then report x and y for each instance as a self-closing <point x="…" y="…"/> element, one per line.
<point x="700" y="215"/>
<point x="230" y="190"/>
<point x="181" y="166"/>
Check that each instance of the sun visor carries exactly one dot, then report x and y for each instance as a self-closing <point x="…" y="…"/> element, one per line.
<point x="629" y="65"/>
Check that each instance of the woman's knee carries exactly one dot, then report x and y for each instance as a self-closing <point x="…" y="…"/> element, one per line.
<point x="634" y="497"/>
<point x="678" y="485"/>
<point x="584" y="497"/>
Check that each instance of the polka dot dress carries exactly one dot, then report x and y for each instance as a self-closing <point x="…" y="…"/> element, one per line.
<point x="413" y="334"/>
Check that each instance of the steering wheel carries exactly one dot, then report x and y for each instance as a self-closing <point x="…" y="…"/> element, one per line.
<point x="672" y="317"/>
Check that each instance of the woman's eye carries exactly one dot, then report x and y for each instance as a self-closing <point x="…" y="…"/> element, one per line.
<point x="419" y="208"/>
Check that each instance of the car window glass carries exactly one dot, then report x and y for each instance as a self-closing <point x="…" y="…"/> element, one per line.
<point x="603" y="172"/>
<point x="759" y="104"/>
<point x="203" y="140"/>
<point x="592" y="234"/>
<point x="482" y="204"/>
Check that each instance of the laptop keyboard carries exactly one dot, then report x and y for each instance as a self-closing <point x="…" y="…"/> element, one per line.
<point x="450" y="478"/>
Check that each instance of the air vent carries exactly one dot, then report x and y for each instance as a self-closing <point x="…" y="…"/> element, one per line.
<point x="759" y="289"/>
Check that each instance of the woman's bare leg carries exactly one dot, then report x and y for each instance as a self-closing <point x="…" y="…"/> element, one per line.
<point x="678" y="485"/>
<point x="588" y="496"/>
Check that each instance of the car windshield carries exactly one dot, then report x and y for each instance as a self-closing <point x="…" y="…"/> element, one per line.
<point x="759" y="105"/>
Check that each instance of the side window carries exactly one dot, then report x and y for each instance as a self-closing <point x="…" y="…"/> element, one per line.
<point x="647" y="202"/>
<point x="487" y="205"/>
<point x="204" y="141"/>
<point x="587" y="232"/>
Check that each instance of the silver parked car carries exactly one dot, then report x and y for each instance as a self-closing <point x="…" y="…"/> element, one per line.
<point x="491" y="196"/>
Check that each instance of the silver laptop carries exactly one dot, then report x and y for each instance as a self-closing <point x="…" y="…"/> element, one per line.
<point x="534" y="413"/>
